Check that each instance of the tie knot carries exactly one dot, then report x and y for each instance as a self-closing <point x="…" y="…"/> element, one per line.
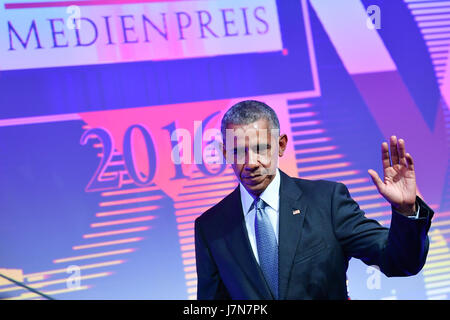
<point x="259" y="203"/>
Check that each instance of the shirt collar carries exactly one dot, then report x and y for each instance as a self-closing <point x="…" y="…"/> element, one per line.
<point x="270" y="195"/>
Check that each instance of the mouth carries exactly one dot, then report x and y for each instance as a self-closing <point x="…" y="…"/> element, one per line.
<point x="254" y="179"/>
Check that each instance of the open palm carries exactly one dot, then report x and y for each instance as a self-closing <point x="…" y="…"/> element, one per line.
<point x="399" y="184"/>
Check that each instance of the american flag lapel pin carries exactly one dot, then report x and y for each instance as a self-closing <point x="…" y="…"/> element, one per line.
<point x="296" y="212"/>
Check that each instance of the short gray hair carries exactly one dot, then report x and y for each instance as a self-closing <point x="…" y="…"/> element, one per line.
<point x="249" y="111"/>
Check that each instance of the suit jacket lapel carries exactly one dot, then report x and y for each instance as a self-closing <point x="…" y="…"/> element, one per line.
<point x="290" y="228"/>
<point x="239" y="245"/>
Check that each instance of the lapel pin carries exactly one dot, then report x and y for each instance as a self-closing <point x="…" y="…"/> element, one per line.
<point x="296" y="212"/>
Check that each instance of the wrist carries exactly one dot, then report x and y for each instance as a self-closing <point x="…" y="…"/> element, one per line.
<point x="406" y="209"/>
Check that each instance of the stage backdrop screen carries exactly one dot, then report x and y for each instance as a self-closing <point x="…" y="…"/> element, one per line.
<point x="100" y="101"/>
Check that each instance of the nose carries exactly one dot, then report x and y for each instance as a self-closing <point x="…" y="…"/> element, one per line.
<point x="250" y="167"/>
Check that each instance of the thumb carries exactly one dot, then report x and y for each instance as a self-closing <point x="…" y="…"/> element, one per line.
<point x="376" y="179"/>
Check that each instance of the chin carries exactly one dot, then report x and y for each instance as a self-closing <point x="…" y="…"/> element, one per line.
<point x="257" y="187"/>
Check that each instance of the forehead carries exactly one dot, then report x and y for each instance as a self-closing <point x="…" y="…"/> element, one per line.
<point x="259" y="131"/>
<point x="258" y="125"/>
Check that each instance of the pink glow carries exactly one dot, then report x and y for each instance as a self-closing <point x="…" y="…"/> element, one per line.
<point x="191" y="283"/>
<point x="110" y="233"/>
<point x="187" y="240"/>
<point x="125" y="211"/>
<point x="132" y="200"/>
<point x="305" y="123"/>
<point x="188" y="261"/>
<point x="187" y="218"/>
<point x="378" y="214"/>
<point x="308" y="132"/>
<point x="154" y="118"/>
<point x="212" y="179"/>
<point x="442" y="214"/>
<point x="95" y="255"/>
<point x="354" y="181"/>
<point x="188" y="247"/>
<point x="52" y="4"/>
<point x="305" y="114"/>
<point x="319" y="149"/>
<point x="325" y="167"/>
<point x="183" y="212"/>
<point x="186" y="233"/>
<point x="40" y="119"/>
<point x="231" y="185"/>
<point x="368" y="197"/>
<point x="64" y="270"/>
<point x="116" y="163"/>
<point x="123" y="221"/>
<point x="195" y="203"/>
<point x="128" y="191"/>
<point x="192" y="275"/>
<point x="117" y="121"/>
<point x="362" y="189"/>
<point x="342" y="18"/>
<point x="185" y="226"/>
<point x="332" y="175"/>
<point x="312" y="55"/>
<point x="317" y="140"/>
<point x="107" y="243"/>
<point x="189" y="269"/>
<point x="204" y="195"/>
<point x="374" y="205"/>
<point x="302" y="106"/>
<point x="189" y="254"/>
<point x="320" y="158"/>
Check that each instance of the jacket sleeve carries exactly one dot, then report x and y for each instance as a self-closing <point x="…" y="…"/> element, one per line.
<point x="209" y="283"/>
<point x="400" y="250"/>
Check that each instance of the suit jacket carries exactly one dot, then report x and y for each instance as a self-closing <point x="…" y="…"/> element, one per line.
<point x="314" y="245"/>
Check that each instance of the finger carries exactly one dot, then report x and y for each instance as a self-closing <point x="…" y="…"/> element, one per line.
<point x="376" y="179"/>
<point x="394" y="150"/>
<point x="402" y="152"/>
<point x="385" y="155"/>
<point x="410" y="161"/>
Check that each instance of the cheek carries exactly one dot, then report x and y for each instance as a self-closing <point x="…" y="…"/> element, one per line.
<point x="270" y="158"/>
<point x="274" y="159"/>
<point x="237" y="168"/>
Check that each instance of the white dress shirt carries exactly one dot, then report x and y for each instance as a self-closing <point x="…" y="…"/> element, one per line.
<point x="271" y="197"/>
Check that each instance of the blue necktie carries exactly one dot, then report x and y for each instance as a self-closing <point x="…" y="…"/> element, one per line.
<point x="266" y="243"/>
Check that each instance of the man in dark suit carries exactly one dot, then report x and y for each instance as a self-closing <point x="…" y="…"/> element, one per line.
<point x="279" y="237"/>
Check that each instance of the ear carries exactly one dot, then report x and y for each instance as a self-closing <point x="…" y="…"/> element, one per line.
<point x="282" y="143"/>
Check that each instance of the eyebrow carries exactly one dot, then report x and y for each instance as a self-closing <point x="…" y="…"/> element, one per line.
<point x="258" y="145"/>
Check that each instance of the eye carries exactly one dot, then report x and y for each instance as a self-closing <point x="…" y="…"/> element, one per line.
<point x="263" y="147"/>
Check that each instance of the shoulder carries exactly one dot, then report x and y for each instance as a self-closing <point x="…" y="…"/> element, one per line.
<point x="321" y="187"/>
<point x="215" y="214"/>
<point x="320" y="192"/>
